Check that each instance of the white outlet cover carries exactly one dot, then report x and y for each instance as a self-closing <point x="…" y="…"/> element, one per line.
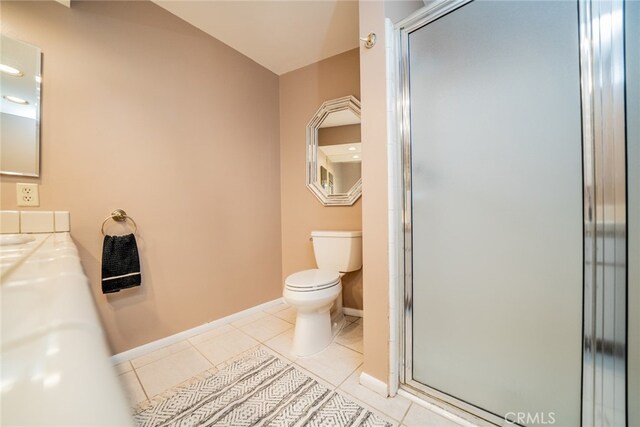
<point x="27" y="194"/>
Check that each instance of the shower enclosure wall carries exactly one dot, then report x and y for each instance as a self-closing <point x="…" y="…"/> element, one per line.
<point x="515" y="216"/>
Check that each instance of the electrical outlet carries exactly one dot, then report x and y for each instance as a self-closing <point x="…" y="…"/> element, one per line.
<point x="27" y="194"/>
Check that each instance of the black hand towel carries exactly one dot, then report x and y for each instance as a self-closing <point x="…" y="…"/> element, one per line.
<point x="120" y="263"/>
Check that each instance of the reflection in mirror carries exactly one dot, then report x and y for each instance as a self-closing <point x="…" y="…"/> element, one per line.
<point x="339" y="150"/>
<point x="334" y="152"/>
<point x="19" y="108"/>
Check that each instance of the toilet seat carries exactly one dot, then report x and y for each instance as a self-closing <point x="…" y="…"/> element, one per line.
<point x="312" y="280"/>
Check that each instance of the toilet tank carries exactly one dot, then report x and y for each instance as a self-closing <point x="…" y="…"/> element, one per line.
<point x="338" y="250"/>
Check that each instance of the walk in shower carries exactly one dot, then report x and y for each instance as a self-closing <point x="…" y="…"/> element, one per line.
<point x="515" y="210"/>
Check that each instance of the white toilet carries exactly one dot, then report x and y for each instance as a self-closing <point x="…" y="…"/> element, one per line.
<point x="317" y="294"/>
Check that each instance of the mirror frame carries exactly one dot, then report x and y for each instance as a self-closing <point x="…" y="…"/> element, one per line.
<point x="313" y="184"/>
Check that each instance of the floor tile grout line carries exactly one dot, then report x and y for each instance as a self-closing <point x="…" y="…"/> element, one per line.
<point x="312" y="374"/>
<point x="279" y="352"/>
<point x="199" y="373"/>
<point x="279" y="318"/>
<point x="151" y="352"/>
<point x="406" y="412"/>
<point x="285" y="320"/>
<point x="253" y="321"/>
<point x="285" y="306"/>
<point x="262" y="341"/>
<point x="188" y="340"/>
<point x="253" y="346"/>
<point x="236" y="329"/>
<point x="122" y="373"/>
<point x="287" y="357"/>
<point x="368" y="404"/>
<point x="164" y="357"/>
<point x="242" y="332"/>
<point x="352" y="321"/>
<point x="203" y="355"/>
<point x="334" y="388"/>
<point x="281" y="333"/>
<point x="141" y="385"/>
<point x="372" y="407"/>
<point x="350" y="373"/>
<point x="211" y="330"/>
<point x="227" y="361"/>
<point x="346" y="346"/>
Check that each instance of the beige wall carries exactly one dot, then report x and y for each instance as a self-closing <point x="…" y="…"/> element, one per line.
<point x="301" y="93"/>
<point x="374" y="182"/>
<point x="338" y="135"/>
<point x="374" y="186"/>
<point x="143" y="112"/>
<point x="347" y="174"/>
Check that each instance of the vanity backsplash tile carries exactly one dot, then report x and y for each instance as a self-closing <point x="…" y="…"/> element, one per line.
<point x="61" y="221"/>
<point x="36" y="222"/>
<point x="13" y="222"/>
<point x="9" y="222"/>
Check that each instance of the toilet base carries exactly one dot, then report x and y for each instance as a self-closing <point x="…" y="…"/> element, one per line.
<point x="338" y="320"/>
<point x="312" y="333"/>
<point x="314" y="324"/>
<point x="317" y="330"/>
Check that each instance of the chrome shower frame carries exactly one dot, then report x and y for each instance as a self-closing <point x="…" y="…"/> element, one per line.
<point x="605" y="213"/>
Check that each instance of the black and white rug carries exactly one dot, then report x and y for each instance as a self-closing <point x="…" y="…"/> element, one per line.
<point x="258" y="389"/>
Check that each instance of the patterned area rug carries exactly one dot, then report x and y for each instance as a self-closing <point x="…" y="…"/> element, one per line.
<point x="258" y="389"/>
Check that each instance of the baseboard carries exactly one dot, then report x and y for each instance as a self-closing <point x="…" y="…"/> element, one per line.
<point x="352" y="312"/>
<point x="180" y="336"/>
<point x="374" y="384"/>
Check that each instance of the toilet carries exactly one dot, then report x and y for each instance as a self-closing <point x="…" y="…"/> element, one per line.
<point x="317" y="294"/>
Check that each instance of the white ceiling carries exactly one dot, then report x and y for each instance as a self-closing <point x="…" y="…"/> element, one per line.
<point x="280" y="35"/>
<point x="343" y="153"/>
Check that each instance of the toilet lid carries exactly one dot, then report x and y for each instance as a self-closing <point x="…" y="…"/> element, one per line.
<point x="312" y="280"/>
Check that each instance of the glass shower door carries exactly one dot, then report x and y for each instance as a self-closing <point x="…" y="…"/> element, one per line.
<point x="497" y="210"/>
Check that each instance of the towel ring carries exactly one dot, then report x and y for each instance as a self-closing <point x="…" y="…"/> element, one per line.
<point x="119" y="216"/>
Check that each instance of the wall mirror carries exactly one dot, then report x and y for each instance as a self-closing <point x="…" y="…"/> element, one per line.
<point x="334" y="151"/>
<point x="20" y="68"/>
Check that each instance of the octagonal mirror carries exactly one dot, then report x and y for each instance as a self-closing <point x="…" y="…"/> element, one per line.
<point x="334" y="152"/>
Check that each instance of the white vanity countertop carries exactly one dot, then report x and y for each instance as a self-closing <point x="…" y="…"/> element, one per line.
<point x="55" y="366"/>
<point x="12" y="254"/>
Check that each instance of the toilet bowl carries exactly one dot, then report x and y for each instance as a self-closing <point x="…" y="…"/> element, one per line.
<point x="316" y="294"/>
<point x="313" y="294"/>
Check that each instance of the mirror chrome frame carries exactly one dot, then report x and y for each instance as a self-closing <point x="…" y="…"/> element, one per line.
<point x="328" y="107"/>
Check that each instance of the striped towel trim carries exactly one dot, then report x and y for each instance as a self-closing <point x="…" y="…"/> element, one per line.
<point x="120" y="277"/>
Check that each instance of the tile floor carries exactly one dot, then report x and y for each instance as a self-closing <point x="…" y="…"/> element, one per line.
<point x="338" y="367"/>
